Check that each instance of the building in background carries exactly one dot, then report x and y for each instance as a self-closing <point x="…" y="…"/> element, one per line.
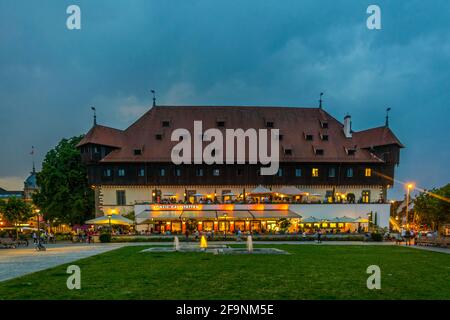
<point x="30" y="185"/>
<point x="327" y="171"/>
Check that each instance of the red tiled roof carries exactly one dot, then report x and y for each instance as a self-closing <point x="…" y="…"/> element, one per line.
<point x="292" y="122"/>
<point x="104" y="136"/>
<point x="380" y="136"/>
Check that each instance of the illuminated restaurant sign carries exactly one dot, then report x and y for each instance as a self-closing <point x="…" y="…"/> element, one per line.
<point x="175" y="207"/>
<point x="224" y="207"/>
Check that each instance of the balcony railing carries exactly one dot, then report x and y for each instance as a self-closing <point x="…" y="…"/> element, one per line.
<point x="210" y="201"/>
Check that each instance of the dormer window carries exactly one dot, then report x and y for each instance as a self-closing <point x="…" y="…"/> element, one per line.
<point x="166" y="123"/>
<point x="350" y="152"/>
<point x="318" y="152"/>
<point x="158" y="136"/>
<point x="137" y="152"/>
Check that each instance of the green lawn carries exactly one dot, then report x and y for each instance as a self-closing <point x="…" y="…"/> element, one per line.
<point x="310" y="272"/>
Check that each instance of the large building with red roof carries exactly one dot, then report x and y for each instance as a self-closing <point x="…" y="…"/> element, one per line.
<point x="321" y="161"/>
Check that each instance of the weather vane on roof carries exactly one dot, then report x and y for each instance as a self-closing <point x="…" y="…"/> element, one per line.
<point x="387" y="116"/>
<point x="95" y="115"/>
<point x="154" y="97"/>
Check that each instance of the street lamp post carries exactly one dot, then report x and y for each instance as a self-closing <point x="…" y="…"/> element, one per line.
<point x="225" y="216"/>
<point x="409" y="186"/>
<point x="38" y="225"/>
<point x="109" y="219"/>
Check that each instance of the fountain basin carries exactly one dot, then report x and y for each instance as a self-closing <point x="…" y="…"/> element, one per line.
<point x="219" y="249"/>
<point x="231" y="251"/>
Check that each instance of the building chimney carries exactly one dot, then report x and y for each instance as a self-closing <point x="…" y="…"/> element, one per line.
<point x="348" y="126"/>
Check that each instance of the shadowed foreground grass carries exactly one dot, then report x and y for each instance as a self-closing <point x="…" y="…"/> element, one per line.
<point x="310" y="272"/>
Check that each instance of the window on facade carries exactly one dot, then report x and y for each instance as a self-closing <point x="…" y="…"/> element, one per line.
<point x="121" y="172"/>
<point x="368" y="172"/>
<point x="162" y="172"/>
<point x="216" y="172"/>
<point x="166" y="123"/>
<point x="158" y="136"/>
<point x="349" y="172"/>
<point x="288" y="152"/>
<point x="199" y="172"/>
<point x="332" y="172"/>
<point x="220" y="123"/>
<point x="178" y="172"/>
<point x="298" y="172"/>
<point x="96" y="150"/>
<point x="269" y="124"/>
<point x="315" y="172"/>
<point x="365" y="196"/>
<point x="141" y="172"/>
<point x="120" y="197"/>
<point x="324" y="124"/>
<point x="309" y="137"/>
<point x="107" y="172"/>
<point x="324" y="137"/>
<point x="137" y="152"/>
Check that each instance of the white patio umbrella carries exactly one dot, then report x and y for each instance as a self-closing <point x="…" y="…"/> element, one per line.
<point x="198" y="195"/>
<point x="113" y="219"/>
<point x="311" y="220"/>
<point x="260" y="190"/>
<point x="291" y="191"/>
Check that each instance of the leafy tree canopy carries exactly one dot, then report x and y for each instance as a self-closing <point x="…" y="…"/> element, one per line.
<point x="64" y="194"/>
<point x="433" y="207"/>
<point x="16" y="210"/>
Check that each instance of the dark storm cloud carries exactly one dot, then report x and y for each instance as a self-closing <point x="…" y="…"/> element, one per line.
<point x="224" y="52"/>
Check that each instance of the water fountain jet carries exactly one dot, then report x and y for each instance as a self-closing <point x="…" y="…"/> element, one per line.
<point x="203" y="243"/>
<point x="249" y="244"/>
<point x="176" y="244"/>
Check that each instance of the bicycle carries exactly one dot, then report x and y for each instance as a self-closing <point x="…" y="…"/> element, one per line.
<point x="40" y="246"/>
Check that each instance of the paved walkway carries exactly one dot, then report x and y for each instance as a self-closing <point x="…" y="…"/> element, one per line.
<point x="18" y="262"/>
<point x="21" y="261"/>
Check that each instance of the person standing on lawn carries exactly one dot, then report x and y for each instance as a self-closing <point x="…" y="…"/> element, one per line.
<point x="319" y="236"/>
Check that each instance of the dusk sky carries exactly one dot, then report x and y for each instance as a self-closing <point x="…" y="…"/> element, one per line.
<point x="281" y="53"/>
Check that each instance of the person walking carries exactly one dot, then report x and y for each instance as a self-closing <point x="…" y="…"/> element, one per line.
<point x="412" y="236"/>
<point x="408" y="237"/>
<point x="238" y="233"/>
<point x="34" y="237"/>
<point x="319" y="236"/>
<point x="186" y="233"/>
<point x="402" y="235"/>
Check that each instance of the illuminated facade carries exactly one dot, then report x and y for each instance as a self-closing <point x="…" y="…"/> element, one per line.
<point x="335" y="171"/>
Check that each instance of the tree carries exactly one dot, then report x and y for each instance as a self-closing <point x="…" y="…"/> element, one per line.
<point x="16" y="211"/>
<point x="433" y="207"/>
<point x="64" y="195"/>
